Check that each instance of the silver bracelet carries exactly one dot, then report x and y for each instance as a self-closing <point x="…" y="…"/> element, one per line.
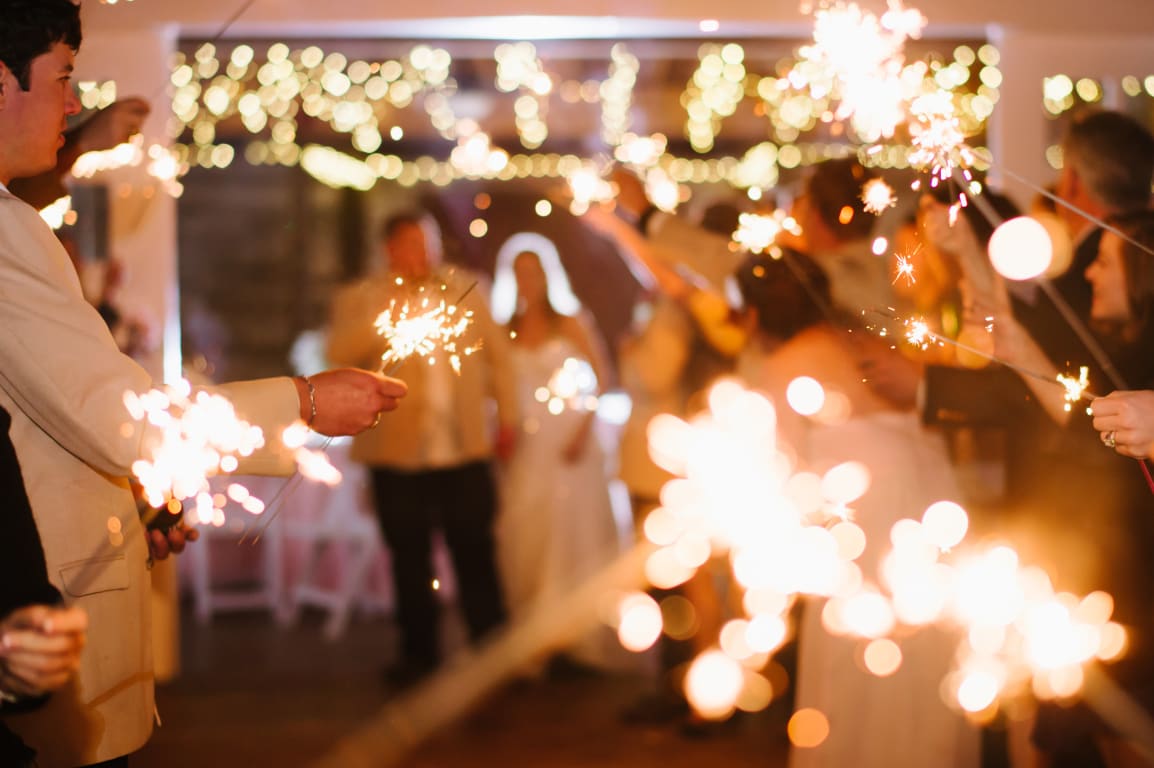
<point x="312" y="399"/>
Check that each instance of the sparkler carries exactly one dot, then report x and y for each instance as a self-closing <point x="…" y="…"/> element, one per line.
<point x="789" y="533"/>
<point x="905" y="268"/>
<point x="423" y="328"/>
<point x="757" y="234"/>
<point x="1075" y="387"/>
<point x="588" y="185"/>
<point x="939" y="145"/>
<point x="198" y="437"/>
<point x="877" y="196"/>
<point x="917" y="333"/>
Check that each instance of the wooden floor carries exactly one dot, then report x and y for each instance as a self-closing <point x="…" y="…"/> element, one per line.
<point x="253" y="694"/>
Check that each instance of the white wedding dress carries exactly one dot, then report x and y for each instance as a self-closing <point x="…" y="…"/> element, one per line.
<point x="898" y="721"/>
<point x="556" y="526"/>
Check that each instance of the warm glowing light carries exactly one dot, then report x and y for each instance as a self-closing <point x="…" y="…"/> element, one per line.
<point x="808" y="728"/>
<point x="945" y="524"/>
<point x="639" y="621"/>
<point x="882" y="657"/>
<point x="713" y="683"/>
<point x="195" y="433"/>
<point x="423" y="327"/>
<point x="1075" y="388"/>
<point x="904" y="268"/>
<point x="877" y="196"/>
<point x="1020" y="249"/>
<point x="805" y="395"/>
<point x="757" y="234"/>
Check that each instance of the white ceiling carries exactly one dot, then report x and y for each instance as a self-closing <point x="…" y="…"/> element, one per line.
<point x="513" y="19"/>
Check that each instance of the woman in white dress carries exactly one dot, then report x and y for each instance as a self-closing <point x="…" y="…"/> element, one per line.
<point x="556" y="526"/>
<point x="899" y="720"/>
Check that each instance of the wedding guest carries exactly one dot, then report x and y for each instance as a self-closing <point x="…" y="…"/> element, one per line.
<point x="105" y="129"/>
<point x="1099" y="500"/>
<point x="432" y="465"/>
<point x="556" y="528"/>
<point x="40" y="638"/>
<point x="63" y="383"/>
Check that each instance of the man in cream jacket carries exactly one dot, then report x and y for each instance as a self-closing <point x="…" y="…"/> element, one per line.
<point x="63" y="381"/>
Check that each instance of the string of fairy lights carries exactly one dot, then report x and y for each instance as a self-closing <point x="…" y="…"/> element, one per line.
<point x="268" y="93"/>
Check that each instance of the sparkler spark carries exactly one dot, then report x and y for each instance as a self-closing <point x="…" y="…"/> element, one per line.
<point x="877" y="195"/>
<point x="786" y="534"/>
<point x="939" y="145"/>
<point x="424" y="328"/>
<point x="1075" y="387"/>
<point x="905" y="268"/>
<point x="757" y="233"/>
<point x="588" y="185"/>
<point x="200" y="437"/>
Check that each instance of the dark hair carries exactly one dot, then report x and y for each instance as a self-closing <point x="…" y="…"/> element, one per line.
<point x="835" y="185"/>
<point x="790" y="294"/>
<point x="395" y="222"/>
<point x="1138" y="265"/>
<point x="29" y="28"/>
<point x="1113" y="154"/>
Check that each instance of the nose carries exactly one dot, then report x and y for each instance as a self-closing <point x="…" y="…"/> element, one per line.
<point x="71" y="103"/>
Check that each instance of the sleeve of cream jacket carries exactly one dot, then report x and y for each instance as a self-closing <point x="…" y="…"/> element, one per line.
<point x="61" y="366"/>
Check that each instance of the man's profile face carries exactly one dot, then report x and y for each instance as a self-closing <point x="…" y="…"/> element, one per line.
<point x="32" y="122"/>
<point x="408" y="251"/>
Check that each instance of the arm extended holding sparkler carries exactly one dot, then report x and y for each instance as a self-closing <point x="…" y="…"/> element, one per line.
<point x="346" y="401"/>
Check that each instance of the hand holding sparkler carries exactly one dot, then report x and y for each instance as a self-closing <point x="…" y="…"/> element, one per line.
<point x="1126" y="420"/>
<point x="347" y="401"/>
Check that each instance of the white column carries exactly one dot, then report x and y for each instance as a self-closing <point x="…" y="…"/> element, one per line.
<point x="1020" y="130"/>
<point x="142" y="234"/>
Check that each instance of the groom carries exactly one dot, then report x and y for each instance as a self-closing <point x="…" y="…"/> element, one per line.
<point x="62" y="379"/>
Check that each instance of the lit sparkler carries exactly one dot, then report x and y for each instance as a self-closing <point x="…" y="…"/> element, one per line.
<point x="424" y="327"/>
<point x="757" y="234"/>
<point x="939" y="146"/>
<point x="198" y="436"/>
<point x="588" y="185"/>
<point x="788" y="533"/>
<point x="905" y="268"/>
<point x="1075" y="387"/>
<point x="571" y="387"/>
<point x="917" y="333"/>
<point x="877" y="196"/>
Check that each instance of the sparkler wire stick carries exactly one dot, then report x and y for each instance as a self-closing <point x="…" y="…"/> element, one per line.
<point x="1081" y="212"/>
<point x="931" y="336"/>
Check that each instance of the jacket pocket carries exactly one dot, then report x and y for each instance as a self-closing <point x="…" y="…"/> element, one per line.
<point x="95" y="575"/>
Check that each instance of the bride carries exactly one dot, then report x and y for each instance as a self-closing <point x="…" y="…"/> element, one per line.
<point x="556" y="526"/>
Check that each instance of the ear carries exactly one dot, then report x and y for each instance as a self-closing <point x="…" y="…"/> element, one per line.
<point x="6" y="80"/>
